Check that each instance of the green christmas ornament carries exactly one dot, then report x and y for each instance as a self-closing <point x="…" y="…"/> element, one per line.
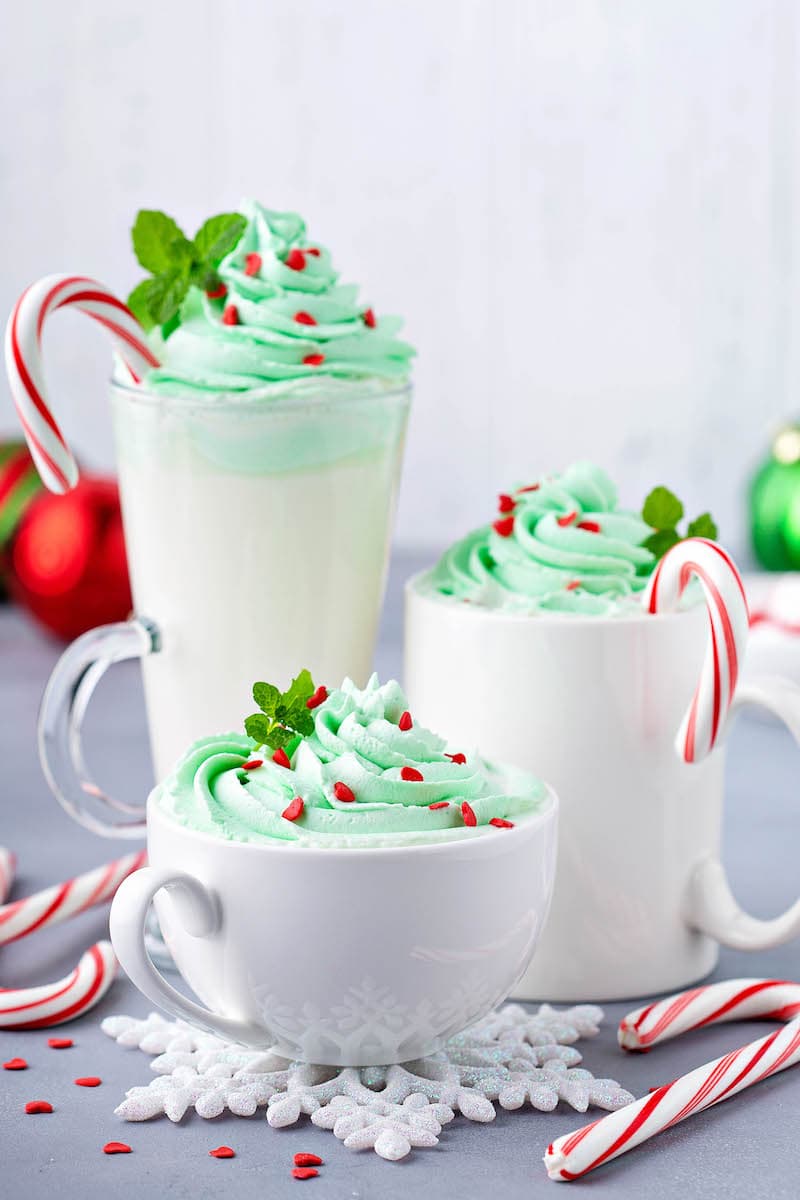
<point x="775" y="504"/>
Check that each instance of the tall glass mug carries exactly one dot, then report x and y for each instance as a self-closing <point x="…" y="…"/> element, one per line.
<point x="257" y="533"/>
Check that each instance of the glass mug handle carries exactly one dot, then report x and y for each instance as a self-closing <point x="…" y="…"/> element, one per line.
<point x="64" y="704"/>
<point x="709" y="904"/>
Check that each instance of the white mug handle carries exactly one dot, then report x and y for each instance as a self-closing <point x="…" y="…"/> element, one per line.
<point x="198" y="910"/>
<point x="709" y="904"/>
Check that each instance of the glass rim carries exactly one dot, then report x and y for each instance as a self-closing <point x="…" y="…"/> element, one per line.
<point x="259" y="400"/>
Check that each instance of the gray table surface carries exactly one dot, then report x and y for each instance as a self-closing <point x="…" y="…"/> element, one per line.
<point x="746" y="1148"/>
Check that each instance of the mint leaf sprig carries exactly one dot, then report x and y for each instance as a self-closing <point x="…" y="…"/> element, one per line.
<point x="284" y="716"/>
<point x="662" y="510"/>
<point x="176" y="262"/>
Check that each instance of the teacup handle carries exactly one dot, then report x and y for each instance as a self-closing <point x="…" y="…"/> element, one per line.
<point x="709" y="904"/>
<point x="66" y="698"/>
<point x="198" y="911"/>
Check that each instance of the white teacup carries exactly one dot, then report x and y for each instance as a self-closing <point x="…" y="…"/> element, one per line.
<point x="338" y="956"/>
<point x="641" y="900"/>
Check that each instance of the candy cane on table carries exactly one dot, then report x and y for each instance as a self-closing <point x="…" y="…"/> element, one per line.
<point x="51" y="454"/>
<point x="728" y="625"/>
<point x="575" y="1154"/>
<point x="52" y="1003"/>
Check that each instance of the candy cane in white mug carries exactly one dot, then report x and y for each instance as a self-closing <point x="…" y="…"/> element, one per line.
<point x="728" y="625"/>
<point x="51" y="454"/>
<point x="577" y="1153"/>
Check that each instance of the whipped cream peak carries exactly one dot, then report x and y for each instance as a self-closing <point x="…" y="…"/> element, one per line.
<point x="363" y="781"/>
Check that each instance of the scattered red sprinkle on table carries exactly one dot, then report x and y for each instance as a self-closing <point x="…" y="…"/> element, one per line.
<point x="439" y="804"/>
<point x="307" y="1160"/>
<point x="411" y="775"/>
<point x="217" y="293"/>
<point x="230" y="315"/>
<point x="575" y="583"/>
<point x="567" y="519"/>
<point x="252" y="264"/>
<point x="222" y="1152"/>
<point x="281" y="757"/>
<point x="304" y="318"/>
<point x="60" y="1043"/>
<point x="504" y="527"/>
<point x="304" y="1172"/>
<point x="314" y="360"/>
<point x="319" y="697"/>
<point x="456" y="758"/>
<point x="468" y="814"/>
<point x="405" y="723"/>
<point x="343" y="793"/>
<point x="532" y="487"/>
<point x="505" y="503"/>
<point x="38" y="1106"/>
<point x="117" y="1148"/>
<point x="312" y="250"/>
<point x="295" y="260"/>
<point x="89" y="1081"/>
<point x="294" y="809"/>
<point x="15" y="1064"/>
<point x="501" y="823"/>
<point x="589" y="526"/>
<point x="252" y="763"/>
<point x="368" y="317"/>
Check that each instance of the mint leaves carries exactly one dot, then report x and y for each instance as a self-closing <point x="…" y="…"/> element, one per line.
<point x="175" y="263"/>
<point x="284" y="715"/>
<point x="662" y="510"/>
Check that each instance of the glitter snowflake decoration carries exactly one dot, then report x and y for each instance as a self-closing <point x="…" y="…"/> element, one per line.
<point x="512" y="1057"/>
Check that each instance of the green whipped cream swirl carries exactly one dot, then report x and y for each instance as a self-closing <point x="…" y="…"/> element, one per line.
<point x="559" y="545"/>
<point x="357" y="741"/>
<point x="283" y="322"/>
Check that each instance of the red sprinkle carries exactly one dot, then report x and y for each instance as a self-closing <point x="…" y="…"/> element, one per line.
<point x="230" y="315"/>
<point x="533" y="487"/>
<point x="343" y="793"/>
<point x="222" y="1152"/>
<point x="117" y="1148"/>
<point x="505" y="502"/>
<point x="304" y="1172"/>
<point x="589" y="526"/>
<point x="576" y="583"/>
<point x="252" y="763"/>
<point x="217" y="293"/>
<point x="567" y="519"/>
<point x="296" y="260"/>
<point x="312" y="250"/>
<point x="89" y="1081"/>
<point x="456" y="758"/>
<point x="252" y="264"/>
<point x="405" y="723"/>
<point x="38" y="1106"/>
<point x="411" y="775"/>
<point x="505" y="526"/>
<point x="60" y="1043"/>
<point x="468" y="814"/>
<point x="368" y="317"/>
<point x="304" y="318"/>
<point x="319" y="697"/>
<point x="313" y="360"/>
<point x="281" y="757"/>
<point x="439" y="804"/>
<point x="294" y="809"/>
<point x="307" y="1160"/>
<point x="15" y="1064"/>
<point x="501" y="823"/>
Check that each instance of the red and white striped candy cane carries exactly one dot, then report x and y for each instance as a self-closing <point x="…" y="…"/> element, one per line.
<point x="577" y="1153"/>
<point x="52" y="1003"/>
<point x="51" y="454"/>
<point x="728" y="624"/>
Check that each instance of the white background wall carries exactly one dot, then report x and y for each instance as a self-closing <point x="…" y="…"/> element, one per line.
<point x="587" y="209"/>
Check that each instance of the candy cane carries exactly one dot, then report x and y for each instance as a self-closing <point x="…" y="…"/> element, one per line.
<point x="728" y="624"/>
<point x="579" y="1152"/>
<point x="51" y="454"/>
<point x="52" y="1003"/>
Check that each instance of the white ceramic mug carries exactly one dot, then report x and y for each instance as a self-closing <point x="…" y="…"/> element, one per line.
<point x="347" y="957"/>
<point x="593" y="705"/>
<point x="257" y="533"/>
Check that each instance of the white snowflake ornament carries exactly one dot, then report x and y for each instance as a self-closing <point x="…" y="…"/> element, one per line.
<point x="512" y="1057"/>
